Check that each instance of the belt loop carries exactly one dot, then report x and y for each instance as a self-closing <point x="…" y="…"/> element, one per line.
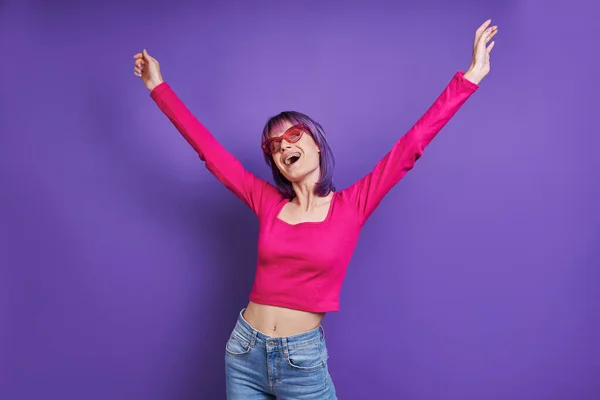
<point x="284" y="345"/>
<point x="322" y="331"/>
<point x="253" y="338"/>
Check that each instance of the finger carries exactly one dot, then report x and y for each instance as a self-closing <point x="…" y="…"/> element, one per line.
<point x="484" y="25"/>
<point x="147" y="56"/>
<point x="138" y="55"/>
<point x="481" y="29"/>
<point x="490" y="47"/>
<point x="486" y="35"/>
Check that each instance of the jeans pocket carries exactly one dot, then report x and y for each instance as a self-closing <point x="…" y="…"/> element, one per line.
<point x="307" y="358"/>
<point x="237" y="345"/>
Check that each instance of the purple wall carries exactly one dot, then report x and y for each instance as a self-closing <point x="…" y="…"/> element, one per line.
<point x="124" y="262"/>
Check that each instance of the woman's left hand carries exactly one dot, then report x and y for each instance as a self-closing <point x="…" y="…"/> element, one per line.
<point x="480" y="64"/>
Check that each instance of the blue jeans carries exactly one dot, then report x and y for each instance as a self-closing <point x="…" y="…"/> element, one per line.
<point x="258" y="366"/>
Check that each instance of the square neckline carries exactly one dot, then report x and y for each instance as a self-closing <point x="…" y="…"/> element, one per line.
<point x="324" y="221"/>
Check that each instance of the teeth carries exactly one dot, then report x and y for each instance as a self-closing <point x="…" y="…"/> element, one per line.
<point x="289" y="157"/>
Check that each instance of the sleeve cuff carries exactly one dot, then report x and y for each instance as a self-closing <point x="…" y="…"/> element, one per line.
<point x="159" y="89"/>
<point x="460" y="76"/>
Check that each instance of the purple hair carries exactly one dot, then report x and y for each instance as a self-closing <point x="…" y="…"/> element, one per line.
<point x="326" y="159"/>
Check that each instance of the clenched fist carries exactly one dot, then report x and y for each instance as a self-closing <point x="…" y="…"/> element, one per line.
<point x="147" y="68"/>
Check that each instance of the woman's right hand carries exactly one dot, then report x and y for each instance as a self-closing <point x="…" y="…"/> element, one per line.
<point x="147" y="68"/>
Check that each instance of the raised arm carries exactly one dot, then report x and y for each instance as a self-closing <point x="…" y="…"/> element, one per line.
<point x="253" y="191"/>
<point x="367" y="193"/>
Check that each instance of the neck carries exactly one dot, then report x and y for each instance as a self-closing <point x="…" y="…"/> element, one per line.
<point x="306" y="197"/>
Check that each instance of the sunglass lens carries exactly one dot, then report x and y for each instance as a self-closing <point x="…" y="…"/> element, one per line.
<point x="294" y="136"/>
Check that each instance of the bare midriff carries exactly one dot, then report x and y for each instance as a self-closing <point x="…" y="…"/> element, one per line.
<point x="279" y="322"/>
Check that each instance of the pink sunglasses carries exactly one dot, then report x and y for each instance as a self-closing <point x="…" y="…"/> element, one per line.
<point x="292" y="135"/>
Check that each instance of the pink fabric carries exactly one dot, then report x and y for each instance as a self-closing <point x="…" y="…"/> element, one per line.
<point x="303" y="266"/>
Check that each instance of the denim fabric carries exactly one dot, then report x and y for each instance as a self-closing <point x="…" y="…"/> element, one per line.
<point x="258" y="366"/>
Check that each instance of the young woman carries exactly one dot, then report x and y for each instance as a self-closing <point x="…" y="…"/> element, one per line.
<point x="308" y="230"/>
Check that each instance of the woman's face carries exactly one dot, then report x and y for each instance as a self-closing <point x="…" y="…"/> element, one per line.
<point x="299" y="159"/>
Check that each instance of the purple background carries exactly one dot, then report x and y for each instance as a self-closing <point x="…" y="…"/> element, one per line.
<point x="124" y="262"/>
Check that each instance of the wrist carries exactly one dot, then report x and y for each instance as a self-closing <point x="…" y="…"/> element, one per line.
<point x="474" y="75"/>
<point x="153" y="84"/>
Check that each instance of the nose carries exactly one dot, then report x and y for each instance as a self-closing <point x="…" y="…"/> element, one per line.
<point x="285" y="144"/>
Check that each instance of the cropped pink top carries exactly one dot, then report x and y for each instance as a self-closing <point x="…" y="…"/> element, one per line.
<point x="302" y="266"/>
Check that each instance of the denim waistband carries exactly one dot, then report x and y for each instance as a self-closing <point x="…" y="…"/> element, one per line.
<point x="258" y="338"/>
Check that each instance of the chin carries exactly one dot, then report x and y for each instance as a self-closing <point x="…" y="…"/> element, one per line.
<point x="293" y="176"/>
<point x="297" y="174"/>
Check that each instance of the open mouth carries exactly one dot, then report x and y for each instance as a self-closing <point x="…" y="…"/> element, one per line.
<point x="291" y="158"/>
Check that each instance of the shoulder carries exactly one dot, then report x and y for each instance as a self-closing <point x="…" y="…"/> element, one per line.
<point x="270" y="197"/>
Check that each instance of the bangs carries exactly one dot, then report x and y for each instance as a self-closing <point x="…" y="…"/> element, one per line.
<point x="277" y="123"/>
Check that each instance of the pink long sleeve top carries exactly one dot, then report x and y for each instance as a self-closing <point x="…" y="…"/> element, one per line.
<point x="302" y="266"/>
